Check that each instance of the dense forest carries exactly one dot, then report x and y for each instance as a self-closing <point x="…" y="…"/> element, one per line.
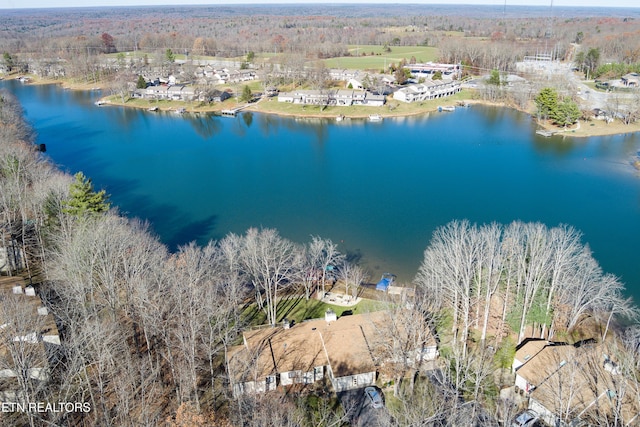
<point x="145" y="331"/>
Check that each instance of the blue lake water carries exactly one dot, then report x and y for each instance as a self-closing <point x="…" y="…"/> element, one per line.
<point x="379" y="189"/>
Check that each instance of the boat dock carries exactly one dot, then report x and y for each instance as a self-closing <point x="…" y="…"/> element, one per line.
<point x="545" y="133"/>
<point x="233" y="112"/>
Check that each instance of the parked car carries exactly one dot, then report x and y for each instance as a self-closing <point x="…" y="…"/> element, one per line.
<point x="374" y="397"/>
<point x="527" y="418"/>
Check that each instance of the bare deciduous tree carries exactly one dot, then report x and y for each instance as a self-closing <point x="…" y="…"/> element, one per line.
<point x="271" y="262"/>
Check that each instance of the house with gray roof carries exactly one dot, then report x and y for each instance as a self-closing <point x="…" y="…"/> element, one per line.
<point x="340" y="97"/>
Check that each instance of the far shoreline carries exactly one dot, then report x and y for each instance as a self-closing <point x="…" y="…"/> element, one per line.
<point x="583" y="129"/>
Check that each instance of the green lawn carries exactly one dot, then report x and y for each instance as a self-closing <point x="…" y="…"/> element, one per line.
<point x="299" y="309"/>
<point x="390" y="109"/>
<point x="377" y="59"/>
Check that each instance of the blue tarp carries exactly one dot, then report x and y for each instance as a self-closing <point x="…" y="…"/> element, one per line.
<point x="383" y="284"/>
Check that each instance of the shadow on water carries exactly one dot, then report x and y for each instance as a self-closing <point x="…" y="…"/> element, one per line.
<point x="205" y="125"/>
<point x="354" y="256"/>
<point x="175" y="227"/>
<point x="200" y="231"/>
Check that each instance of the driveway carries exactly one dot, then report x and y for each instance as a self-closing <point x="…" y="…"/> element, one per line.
<point x="361" y="412"/>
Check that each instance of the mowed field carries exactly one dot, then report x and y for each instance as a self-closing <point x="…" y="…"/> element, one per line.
<point x="376" y="58"/>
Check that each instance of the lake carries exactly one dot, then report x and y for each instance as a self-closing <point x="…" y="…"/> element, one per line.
<point x="377" y="189"/>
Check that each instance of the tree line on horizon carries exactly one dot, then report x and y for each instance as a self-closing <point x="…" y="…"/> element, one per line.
<point x="477" y="40"/>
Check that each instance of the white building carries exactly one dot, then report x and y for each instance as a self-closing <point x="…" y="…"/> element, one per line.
<point x="341" y="97"/>
<point x="430" y="89"/>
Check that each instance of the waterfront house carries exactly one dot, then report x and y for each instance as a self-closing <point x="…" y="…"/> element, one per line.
<point x="430" y="89"/>
<point x="573" y="384"/>
<point x="373" y="100"/>
<point x="341" y="97"/>
<point x="166" y="92"/>
<point x="340" y="350"/>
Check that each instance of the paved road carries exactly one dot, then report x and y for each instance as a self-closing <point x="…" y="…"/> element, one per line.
<point x="620" y="101"/>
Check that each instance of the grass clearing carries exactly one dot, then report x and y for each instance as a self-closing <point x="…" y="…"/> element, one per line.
<point x="376" y="58"/>
<point x="297" y="308"/>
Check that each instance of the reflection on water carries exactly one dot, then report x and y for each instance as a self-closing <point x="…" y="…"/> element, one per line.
<point x="205" y="125"/>
<point x="247" y="117"/>
<point x="377" y="189"/>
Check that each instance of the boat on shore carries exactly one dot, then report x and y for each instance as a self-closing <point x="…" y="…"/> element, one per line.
<point x="152" y="109"/>
<point x="181" y="110"/>
<point x="452" y="108"/>
<point x="375" y="117"/>
<point x="100" y="103"/>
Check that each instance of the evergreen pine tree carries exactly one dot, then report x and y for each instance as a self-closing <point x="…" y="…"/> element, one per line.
<point x="567" y="112"/>
<point x="83" y="201"/>
<point x="247" y="95"/>
<point x="547" y="103"/>
<point x="142" y="83"/>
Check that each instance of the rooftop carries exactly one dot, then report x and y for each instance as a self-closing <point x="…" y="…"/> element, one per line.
<point x="343" y="344"/>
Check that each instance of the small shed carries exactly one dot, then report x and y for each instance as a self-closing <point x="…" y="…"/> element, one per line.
<point x="386" y="281"/>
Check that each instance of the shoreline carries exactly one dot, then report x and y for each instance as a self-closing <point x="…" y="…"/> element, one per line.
<point x="583" y="129"/>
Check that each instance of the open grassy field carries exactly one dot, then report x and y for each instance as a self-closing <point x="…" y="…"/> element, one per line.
<point x="376" y="58"/>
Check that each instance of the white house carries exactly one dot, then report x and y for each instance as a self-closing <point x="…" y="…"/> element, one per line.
<point x="354" y="84"/>
<point x="341" y="97"/>
<point x="430" y="68"/>
<point x="430" y="89"/>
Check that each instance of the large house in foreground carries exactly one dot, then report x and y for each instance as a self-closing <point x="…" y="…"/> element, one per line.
<point x="430" y="89"/>
<point x="571" y="385"/>
<point x="342" y="350"/>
